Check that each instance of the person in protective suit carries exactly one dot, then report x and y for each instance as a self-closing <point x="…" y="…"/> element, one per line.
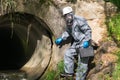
<point x="79" y="30"/>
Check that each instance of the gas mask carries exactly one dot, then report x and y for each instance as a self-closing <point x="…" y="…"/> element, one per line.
<point x="69" y="19"/>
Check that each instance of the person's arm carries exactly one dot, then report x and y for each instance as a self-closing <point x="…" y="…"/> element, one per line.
<point x="63" y="37"/>
<point x="84" y="27"/>
<point x="86" y="30"/>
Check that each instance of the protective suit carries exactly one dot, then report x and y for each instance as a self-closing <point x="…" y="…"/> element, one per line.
<point x="79" y="30"/>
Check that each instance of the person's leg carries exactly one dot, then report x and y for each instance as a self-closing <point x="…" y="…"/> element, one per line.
<point x="69" y="60"/>
<point x="82" y="68"/>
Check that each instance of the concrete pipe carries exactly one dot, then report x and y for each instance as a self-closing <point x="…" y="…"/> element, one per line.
<point x="25" y="44"/>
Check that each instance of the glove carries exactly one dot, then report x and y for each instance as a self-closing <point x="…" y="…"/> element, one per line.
<point x="86" y="44"/>
<point x="58" y="41"/>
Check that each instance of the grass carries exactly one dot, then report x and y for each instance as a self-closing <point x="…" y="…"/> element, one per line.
<point x="114" y="28"/>
<point x="116" y="73"/>
<point x="50" y="75"/>
<point x="114" y="31"/>
<point x="54" y="75"/>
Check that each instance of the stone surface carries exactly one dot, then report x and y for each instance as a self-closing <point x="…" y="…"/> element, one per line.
<point x="105" y="61"/>
<point x="13" y="75"/>
<point x="94" y="13"/>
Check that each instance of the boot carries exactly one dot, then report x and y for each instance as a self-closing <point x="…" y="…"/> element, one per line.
<point x="66" y="74"/>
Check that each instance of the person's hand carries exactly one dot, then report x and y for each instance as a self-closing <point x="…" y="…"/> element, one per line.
<point x="58" y="41"/>
<point x="86" y="44"/>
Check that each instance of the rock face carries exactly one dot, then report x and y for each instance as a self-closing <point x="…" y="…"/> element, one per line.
<point x="94" y="13"/>
<point x="105" y="61"/>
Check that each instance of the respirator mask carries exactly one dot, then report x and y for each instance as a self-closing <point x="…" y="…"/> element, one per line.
<point x="69" y="19"/>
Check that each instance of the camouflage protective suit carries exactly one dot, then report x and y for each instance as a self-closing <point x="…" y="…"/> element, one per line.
<point x="80" y="32"/>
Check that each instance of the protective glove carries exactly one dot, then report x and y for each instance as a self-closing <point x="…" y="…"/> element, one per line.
<point x="58" y="41"/>
<point x="85" y="44"/>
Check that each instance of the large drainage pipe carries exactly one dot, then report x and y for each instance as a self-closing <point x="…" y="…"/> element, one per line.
<point x="25" y="44"/>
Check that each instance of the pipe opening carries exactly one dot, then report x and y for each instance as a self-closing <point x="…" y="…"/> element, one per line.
<point x="25" y="43"/>
<point x="12" y="54"/>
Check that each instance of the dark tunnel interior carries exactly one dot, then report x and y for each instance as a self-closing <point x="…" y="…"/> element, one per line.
<point x="12" y="54"/>
<point x="18" y="39"/>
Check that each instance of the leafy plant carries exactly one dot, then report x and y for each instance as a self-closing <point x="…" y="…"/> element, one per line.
<point x="114" y="28"/>
<point x="54" y="75"/>
<point x="116" y="72"/>
<point x="60" y="68"/>
<point x="116" y="2"/>
<point x="50" y="75"/>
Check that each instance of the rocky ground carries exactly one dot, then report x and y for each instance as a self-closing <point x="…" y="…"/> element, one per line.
<point x="104" y="61"/>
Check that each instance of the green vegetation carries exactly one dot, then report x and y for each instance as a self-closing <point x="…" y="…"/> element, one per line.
<point x="60" y="67"/>
<point x="54" y="75"/>
<point x="50" y="75"/>
<point x="116" y="73"/>
<point x="114" y="32"/>
<point x="116" y="2"/>
<point x="114" y="28"/>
